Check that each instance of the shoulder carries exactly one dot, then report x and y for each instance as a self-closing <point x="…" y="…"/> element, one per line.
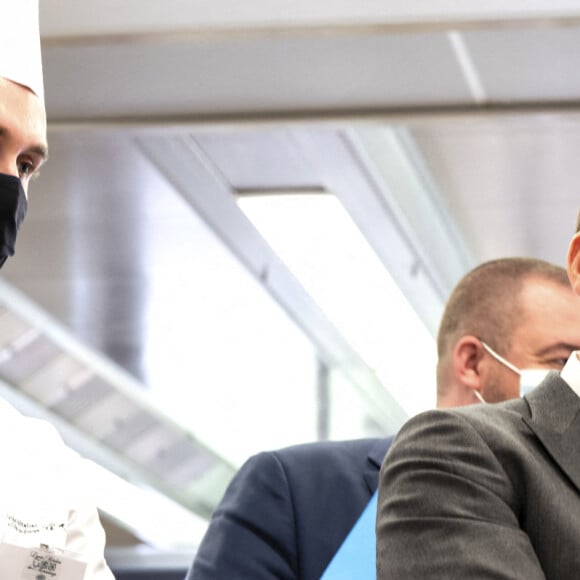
<point x="451" y="450"/>
<point x="311" y="463"/>
<point x="471" y="421"/>
<point x="464" y="436"/>
<point x="551" y="403"/>
<point x="338" y="450"/>
<point x="350" y="455"/>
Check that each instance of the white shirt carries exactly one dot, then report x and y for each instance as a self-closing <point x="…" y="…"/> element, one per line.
<point x="571" y="372"/>
<point x="44" y="495"/>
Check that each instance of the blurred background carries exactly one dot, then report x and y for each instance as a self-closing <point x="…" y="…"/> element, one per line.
<point x="251" y="218"/>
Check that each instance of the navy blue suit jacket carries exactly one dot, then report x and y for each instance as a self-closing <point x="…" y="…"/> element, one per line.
<point x="287" y="512"/>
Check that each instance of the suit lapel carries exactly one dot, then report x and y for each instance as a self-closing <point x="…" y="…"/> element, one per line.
<point x="555" y="419"/>
<point x="375" y="457"/>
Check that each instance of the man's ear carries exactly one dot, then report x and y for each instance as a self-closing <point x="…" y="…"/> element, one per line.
<point x="467" y="355"/>
<point x="573" y="264"/>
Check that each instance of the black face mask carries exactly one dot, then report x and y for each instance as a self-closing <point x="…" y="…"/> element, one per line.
<point x="12" y="211"/>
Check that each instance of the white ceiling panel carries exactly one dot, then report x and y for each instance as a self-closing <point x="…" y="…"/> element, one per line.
<point x="511" y="186"/>
<point x="527" y="65"/>
<point x="287" y="74"/>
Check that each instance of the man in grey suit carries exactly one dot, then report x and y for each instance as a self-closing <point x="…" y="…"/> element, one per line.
<point x="488" y="491"/>
<point x="287" y="512"/>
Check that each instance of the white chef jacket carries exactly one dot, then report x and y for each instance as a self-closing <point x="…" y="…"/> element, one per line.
<point x="45" y="495"/>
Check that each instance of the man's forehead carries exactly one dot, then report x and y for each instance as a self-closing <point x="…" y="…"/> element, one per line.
<point x="550" y="317"/>
<point x="542" y="294"/>
<point x="22" y="117"/>
<point x="38" y="147"/>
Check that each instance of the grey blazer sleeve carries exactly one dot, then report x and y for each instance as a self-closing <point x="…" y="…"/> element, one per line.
<point x="448" y="508"/>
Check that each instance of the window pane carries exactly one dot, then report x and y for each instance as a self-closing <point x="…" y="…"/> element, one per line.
<point x="349" y="416"/>
<point x="242" y="375"/>
<point x="320" y="244"/>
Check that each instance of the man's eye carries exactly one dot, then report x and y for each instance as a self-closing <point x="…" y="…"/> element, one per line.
<point x="558" y="363"/>
<point x="25" y="169"/>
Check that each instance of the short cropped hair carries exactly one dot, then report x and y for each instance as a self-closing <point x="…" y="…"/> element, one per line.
<point x="485" y="303"/>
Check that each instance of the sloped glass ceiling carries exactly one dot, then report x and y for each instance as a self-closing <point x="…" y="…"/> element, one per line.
<point x="259" y="286"/>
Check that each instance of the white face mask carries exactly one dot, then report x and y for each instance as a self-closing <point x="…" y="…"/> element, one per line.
<point x="529" y="378"/>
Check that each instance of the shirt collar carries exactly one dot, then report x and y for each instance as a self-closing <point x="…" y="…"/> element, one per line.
<point x="571" y="372"/>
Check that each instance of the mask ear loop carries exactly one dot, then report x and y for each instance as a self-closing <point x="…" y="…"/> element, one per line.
<point x="478" y="395"/>
<point x="500" y="359"/>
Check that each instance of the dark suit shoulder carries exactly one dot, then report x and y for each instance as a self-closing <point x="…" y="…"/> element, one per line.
<point x="286" y="512"/>
<point x="356" y="450"/>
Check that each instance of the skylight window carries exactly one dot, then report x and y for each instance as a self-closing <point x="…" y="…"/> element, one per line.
<point x="319" y="243"/>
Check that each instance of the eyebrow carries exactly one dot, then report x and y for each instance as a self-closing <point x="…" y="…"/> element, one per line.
<point x="559" y="346"/>
<point x="40" y="150"/>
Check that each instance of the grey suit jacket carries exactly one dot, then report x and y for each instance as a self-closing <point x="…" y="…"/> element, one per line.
<point x="486" y="491"/>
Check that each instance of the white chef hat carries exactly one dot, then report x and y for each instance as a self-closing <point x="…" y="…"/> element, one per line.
<point x="20" y="58"/>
